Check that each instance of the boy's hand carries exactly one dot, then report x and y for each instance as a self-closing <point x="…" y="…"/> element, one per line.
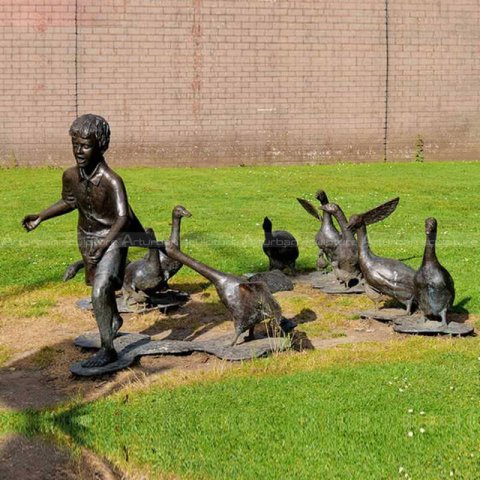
<point x="169" y="247"/>
<point x="31" y="222"/>
<point x="97" y="254"/>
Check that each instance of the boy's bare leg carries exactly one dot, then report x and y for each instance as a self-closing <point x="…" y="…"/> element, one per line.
<point x="108" y="275"/>
<point x="104" y="309"/>
<point x="117" y="320"/>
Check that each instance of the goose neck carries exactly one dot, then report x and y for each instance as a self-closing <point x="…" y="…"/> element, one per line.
<point x="209" y="273"/>
<point x="430" y="244"/>
<point x="362" y="239"/>
<point x="175" y="231"/>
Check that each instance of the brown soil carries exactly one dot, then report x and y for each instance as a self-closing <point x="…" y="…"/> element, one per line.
<point x="37" y="374"/>
<point x="40" y="459"/>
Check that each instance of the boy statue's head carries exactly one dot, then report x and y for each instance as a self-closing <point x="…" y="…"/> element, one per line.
<point x="90" y="139"/>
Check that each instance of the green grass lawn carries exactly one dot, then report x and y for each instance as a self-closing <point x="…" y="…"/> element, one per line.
<point x="404" y="409"/>
<point x="228" y="206"/>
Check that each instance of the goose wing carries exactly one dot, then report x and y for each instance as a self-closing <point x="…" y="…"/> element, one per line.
<point x="391" y="277"/>
<point x="310" y="208"/>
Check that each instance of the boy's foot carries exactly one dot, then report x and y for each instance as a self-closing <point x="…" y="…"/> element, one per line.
<point x="117" y="323"/>
<point x="101" y="358"/>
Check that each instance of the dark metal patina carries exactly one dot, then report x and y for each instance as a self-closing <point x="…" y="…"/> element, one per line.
<point x="384" y="277"/>
<point x="170" y="267"/>
<point x="433" y="285"/>
<point x="147" y="278"/>
<point x="105" y="220"/>
<point x="280" y="247"/>
<point x="345" y="255"/>
<point x="249" y="303"/>
<point x="327" y="237"/>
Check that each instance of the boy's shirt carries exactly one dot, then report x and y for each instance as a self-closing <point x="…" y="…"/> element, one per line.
<point x="100" y="199"/>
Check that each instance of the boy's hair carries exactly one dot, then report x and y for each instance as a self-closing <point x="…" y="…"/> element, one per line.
<point x="90" y="125"/>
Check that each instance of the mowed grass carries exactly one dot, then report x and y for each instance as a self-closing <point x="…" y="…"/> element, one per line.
<point x="405" y="409"/>
<point x="228" y="207"/>
<point x="401" y="410"/>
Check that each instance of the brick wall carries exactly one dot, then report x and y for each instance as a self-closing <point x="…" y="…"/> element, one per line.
<point x="215" y="82"/>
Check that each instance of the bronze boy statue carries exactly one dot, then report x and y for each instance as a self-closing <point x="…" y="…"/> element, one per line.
<point x="104" y="219"/>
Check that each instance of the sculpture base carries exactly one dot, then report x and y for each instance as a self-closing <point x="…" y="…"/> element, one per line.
<point x="414" y="324"/>
<point x="389" y="315"/>
<point x="418" y="326"/>
<point x="328" y="283"/>
<point x="131" y="346"/>
<point x="164" y="301"/>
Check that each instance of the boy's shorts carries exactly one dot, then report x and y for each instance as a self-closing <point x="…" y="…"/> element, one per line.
<point x="112" y="264"/>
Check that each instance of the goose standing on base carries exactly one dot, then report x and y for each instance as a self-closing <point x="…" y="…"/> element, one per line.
<point x="327" y="237"/>
<point x="345" y="256"/>
<point x="383" y="276"/>
<point x="249" y="303"/>
<point x="280" y="247"/>
<point x="434" y="287"/>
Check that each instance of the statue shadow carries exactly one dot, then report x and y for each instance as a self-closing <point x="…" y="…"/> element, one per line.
<point x="190" y="287"/>
<point x="191" y="321"/>
<point x="42" y="379"/>
<point x="300" y="340"/>
<point x="458" y="312"/>
<point x="29" y="287"/>
<point x="197" y="319"/>
<point x="42" y="449"/>
<point x="305" y="316"/>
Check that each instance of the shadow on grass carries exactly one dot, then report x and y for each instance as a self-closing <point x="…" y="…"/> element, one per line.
<point x="16" y="290"/>
<point x="42" y="379"/>
<point x="300" y="340"/>
<point x="40" y="449"/>
<point x="460" y="306"/>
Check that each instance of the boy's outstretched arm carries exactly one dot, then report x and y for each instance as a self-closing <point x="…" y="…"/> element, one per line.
<point x="30" y="222"/>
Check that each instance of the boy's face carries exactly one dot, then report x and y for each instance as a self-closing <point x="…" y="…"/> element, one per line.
<point x="85" y="151"/>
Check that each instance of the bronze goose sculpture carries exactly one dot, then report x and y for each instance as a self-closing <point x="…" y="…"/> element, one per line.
<point x="170" y="267"/>
<point x="249" y="303"/>
<point x="143" y="277"/>
<point x="433" y="285"/>
<point x="345" y="256"/>
<point x="280" y="247"/>
<point x="327" y="237"/>
<point x="383" y="276"/>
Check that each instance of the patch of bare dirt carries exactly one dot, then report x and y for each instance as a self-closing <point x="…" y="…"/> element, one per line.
<point x="38" y="376"/>
<point x="39" y="459"/>
<point x="365" y="331"/>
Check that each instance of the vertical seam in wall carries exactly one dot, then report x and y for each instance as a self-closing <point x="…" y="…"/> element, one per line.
<point x="387" y="75"/>
<point x="76" y="58"/>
